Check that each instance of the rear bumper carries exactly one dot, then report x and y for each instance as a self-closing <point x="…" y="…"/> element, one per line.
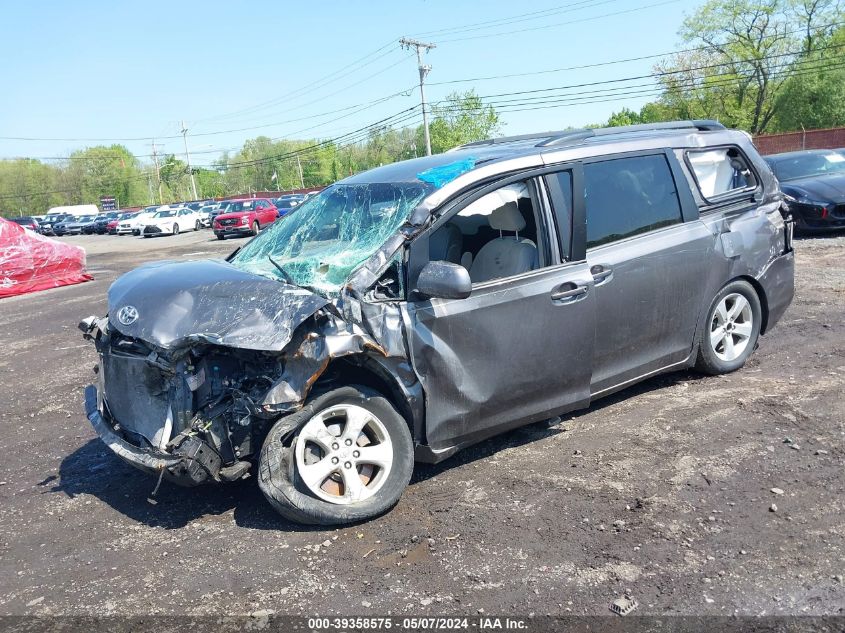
<point x="778" y="282"/>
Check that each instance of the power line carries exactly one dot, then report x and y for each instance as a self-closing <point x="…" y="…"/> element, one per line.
<point x="558" y="24"/>
<point x="356" y="136"/>
<point x="310" y="87"/>
<point x="607" y="63"/>
<point x="515" y="19"/>
<point x="515" y="93"/>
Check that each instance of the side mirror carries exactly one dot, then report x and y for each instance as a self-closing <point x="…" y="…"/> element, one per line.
<point x="444" y="280"/>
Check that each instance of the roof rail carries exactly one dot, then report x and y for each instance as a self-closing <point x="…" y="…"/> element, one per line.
<point x="570" y="136"/>
<point x="510" y="139"/>
<point x="700" y="125"/>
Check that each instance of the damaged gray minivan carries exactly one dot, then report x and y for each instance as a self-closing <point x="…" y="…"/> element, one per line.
<point x="412" y="310"/>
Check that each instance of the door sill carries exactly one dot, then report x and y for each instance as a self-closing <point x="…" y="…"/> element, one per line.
<point x="623" y="385"/>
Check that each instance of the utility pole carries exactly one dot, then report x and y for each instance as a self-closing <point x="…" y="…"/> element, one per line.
<point x="188" y="159"/>
<point x="158" y="173"/>
<point x="150" y="186"/>
<point x="301" y="179"/>
<point x="424" y="70"/>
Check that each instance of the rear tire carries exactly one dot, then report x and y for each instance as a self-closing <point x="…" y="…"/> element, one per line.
<point x="346" y="487"/>
<point x="731" y="329"/>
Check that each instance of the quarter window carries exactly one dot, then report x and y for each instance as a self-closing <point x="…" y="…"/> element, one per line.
<point x="628" y="196"/>
<point x="720" y="171"/>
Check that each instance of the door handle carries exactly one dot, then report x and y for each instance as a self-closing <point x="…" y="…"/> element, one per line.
<point x="601" y="273"/>
<point x="568" y="292"/>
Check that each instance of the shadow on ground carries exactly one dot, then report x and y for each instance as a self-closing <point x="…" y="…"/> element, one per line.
<point x="94" y="470"/>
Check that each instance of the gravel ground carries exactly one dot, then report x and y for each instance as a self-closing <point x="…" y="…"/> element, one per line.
<point x="663" y="491"/>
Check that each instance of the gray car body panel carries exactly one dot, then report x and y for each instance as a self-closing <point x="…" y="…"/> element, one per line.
<point x="461" y="370"/>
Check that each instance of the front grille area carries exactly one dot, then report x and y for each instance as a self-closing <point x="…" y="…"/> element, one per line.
<point x="150" y="230"/>
<point x="229" y="221"/>
<point x="137" y="393"/>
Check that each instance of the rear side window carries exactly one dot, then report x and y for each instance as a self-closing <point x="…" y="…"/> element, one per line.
<point x="628" y="196"/>
<point x="720" y="171"/>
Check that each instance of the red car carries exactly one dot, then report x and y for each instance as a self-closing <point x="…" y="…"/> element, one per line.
<point x="245" y="217"/>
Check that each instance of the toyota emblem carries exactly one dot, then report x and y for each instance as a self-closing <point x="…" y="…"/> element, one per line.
<point x="127" y="315"/>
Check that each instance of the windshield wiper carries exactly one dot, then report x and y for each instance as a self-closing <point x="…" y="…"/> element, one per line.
<point x="285" y="273"/>
<point x="290" y="280"/>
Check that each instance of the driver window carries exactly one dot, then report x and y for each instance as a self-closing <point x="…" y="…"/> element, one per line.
<point x="492" y="237"/>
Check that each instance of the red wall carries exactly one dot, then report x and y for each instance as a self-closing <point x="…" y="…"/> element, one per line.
<point x="833" y="138"/>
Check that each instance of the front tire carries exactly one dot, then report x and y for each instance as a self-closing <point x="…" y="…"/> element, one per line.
<point x="347" y="458"/>
<point x="731" y="330"/>
<point x="175" y="229"/>
<point x="255" y="227"/>
<point x="197" y="225"/>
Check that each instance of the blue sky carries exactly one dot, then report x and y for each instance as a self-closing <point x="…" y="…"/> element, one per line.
<point x="114" y="70"/>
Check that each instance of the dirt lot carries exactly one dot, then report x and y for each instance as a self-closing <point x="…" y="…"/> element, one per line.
<point x="662" y="491"/>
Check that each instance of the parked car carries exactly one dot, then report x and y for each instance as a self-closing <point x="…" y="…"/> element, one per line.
<point x="100" y="223"/>
<point x="30" y="262"/>
<point x="171" y="221"/>
<point x="415" y="309"/>
<point x="132" y="225"/>
<point x="284" y="204"/>
<point x="49" y="220"/>
<point x="205" y="213"/>
<point x="72" y="225"/>
<point x="220" y="209"/>
<point x="245" y="217"/>
<point x="27" y="222"/>
<point x="113" y="226"/>
<point x="814" y="183"/>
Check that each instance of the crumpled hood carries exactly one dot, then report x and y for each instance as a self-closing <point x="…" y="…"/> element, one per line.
<point x="821" y="188"/>
<point x="208" y="300"/>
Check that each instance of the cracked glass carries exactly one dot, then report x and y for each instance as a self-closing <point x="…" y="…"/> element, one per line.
<point x="318" y="245"/>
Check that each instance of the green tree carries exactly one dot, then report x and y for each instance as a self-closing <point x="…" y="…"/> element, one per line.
<point x="462" y="118"/>
<point x="741" y="53"/>
<point x="815" y="98"/>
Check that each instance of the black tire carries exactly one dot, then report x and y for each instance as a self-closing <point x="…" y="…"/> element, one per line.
<point x="197" y="225"/>
<point x="255" y="227"/>
<point x="708" y="361"/>
<point x="175" y="229"/>
<point x="277" y="470"/>
<point x="220" y="236"/>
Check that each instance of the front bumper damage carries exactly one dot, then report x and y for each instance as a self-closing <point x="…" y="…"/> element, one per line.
<point x="188" y="391"/>
<point x="148" y="460"/>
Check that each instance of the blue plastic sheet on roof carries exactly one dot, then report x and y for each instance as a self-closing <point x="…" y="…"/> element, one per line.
<point x="444" y="174"/>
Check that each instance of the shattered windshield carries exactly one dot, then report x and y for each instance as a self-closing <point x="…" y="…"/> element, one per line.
<point x="331" y="234"/>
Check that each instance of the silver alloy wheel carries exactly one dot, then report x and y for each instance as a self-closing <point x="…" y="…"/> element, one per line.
<point x="731" y="327"/>
<point x="344" y="454"/>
